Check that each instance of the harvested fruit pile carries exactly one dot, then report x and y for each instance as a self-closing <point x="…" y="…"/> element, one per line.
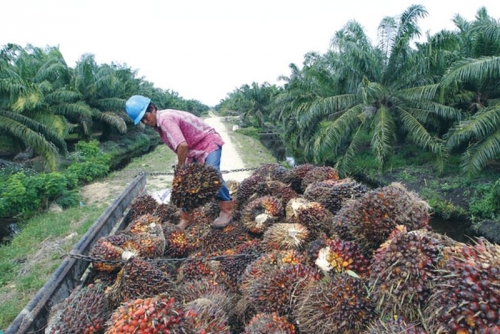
<point x="306" y="252"/>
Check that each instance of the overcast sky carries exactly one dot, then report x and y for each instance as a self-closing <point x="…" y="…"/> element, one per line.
<point x="205" y="49"/>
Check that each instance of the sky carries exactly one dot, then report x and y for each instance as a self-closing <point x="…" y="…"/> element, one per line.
<point x="206" y="49"/>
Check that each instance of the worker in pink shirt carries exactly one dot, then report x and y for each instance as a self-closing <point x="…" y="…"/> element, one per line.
<point x="193" y="140"/>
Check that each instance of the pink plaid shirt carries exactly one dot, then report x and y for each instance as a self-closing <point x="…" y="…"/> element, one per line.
<point x="176" y="126"/>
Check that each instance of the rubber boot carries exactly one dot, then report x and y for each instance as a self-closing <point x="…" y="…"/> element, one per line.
<point x="226" y="214"/>
<point x="186" y="220"/>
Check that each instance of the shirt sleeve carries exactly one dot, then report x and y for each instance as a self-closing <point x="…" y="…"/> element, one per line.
<point x="173" y="133"/>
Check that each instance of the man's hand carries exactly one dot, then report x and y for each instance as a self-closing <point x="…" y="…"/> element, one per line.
<point x="182" y="152"/>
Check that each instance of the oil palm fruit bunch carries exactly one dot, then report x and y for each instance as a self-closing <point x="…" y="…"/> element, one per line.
<point x="274" y="188"/>
<point x="88" y="300"/>
<point x="148" y="315"/>
<point x="334" y="193"/>
<point x="108" y="252"/>
<point x="282" y="236"/>
<point x="278" y="287"/>
<point x="247" y="188"/>
<point x="393" y="326"/>
<point x="194" y="185"/>
<point x="271" y="171"/>
<point x="234" y="261"/>
<point x="466" y="294"/>
<point x="338" y="304"/>
<point x="265" y="263"/>
<point x="188" y="291"/>
<point x="138" y="279"/>
<point x="319" y="173"/>
<point x="403" y="270"/>
<point x="261" y="213"/>
<point x="168" y="213"/>
<point x="342" y="256"/>
<point x="370" y="218"/>
<point x="202" y="315"/>
<point x="143" y="224"/>
<point x="214" y="240"/>
<point x="150" y="245"/>
<point x="177" y="244"/>
<point x="313" y="215"/>
<point x="295" y="176"/>
<point x="233" y="186"/>
<point x="269" y="323"/>
<point x="143" y="204"/>
<point x="199" y="267"/>
<point x="313" y="247"/>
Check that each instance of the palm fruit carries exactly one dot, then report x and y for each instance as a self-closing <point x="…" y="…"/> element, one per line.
<point x="274" y="188"/>
<point x="211" y="210"/>
<point x="204" y="316"/>
<point x="151" y="245"/>
<point x="266" y="262"/>
<point x="334" y="193"/>
<point x="313" y="215"/>
<point x="341" y="256"/>
<point x="198" y="267"/>
<point x="233" y="186"/>
<point x="138" y="279"/>
<point x="339" y="304"/>
<point x="269" y="323"/>
<point x="148" y="315"/>
<point x="282" y="236"/>
<point x="402" y="272"/>
<point x="188" y="291"/>
<point x="109" y="252"/>
<point x="214" y="240"/>
<point x="88" y="301"/>
<point x="295" y="175"/>
<point x="319" y="173"/>
<point x="313" y="247"/>
<point x="278" y="288"/>
<point x="234" y="261"/>
<point x="247" y="189"/>
<point x="142" y="205"/>
<point x="261" y="213"/>
<point x="143" y="224"/>
<point x="167" y="213"/>
<point x="194" y="185"/>
<point x="371" y="218"/>
<point x="466" y="293"/>
<point x="271" y="171"/>
<point x="177" y="243"/>
<point x="393" y="326"/>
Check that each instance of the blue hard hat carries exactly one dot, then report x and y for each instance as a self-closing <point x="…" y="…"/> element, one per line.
<point x="136" y="107"/>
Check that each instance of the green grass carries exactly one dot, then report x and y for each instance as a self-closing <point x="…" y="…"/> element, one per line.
<point x="34" y="254"/>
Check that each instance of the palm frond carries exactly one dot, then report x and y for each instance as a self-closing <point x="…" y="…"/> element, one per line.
<point x="420" y="93"/>
<point x="325" y="107"/>
<point x="331" y="138"/>
<point x="478" y="155"/>
<point x="74" y="110"/>
<point x="477" y="127"/>
<point x="344" y="162"/>
<point x="420" y="136"/>
<point x="384" y="134"/>
<point x="472" y="69"/>
<point x="30" y="138"/>
<point x="111" y="119"/>
<point x="43" y="131"/>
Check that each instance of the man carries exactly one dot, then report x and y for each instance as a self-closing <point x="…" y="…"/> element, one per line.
<point x="193" y="140"/>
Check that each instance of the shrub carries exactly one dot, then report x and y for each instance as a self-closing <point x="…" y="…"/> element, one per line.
<point x="250" y="132"/>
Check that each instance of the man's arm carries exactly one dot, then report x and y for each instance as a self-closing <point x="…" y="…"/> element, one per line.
<point x="182" y="151"/>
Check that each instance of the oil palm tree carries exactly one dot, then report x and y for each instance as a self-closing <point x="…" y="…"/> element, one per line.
<point x="474" y="81"/>
<point x="376" y="96"/>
